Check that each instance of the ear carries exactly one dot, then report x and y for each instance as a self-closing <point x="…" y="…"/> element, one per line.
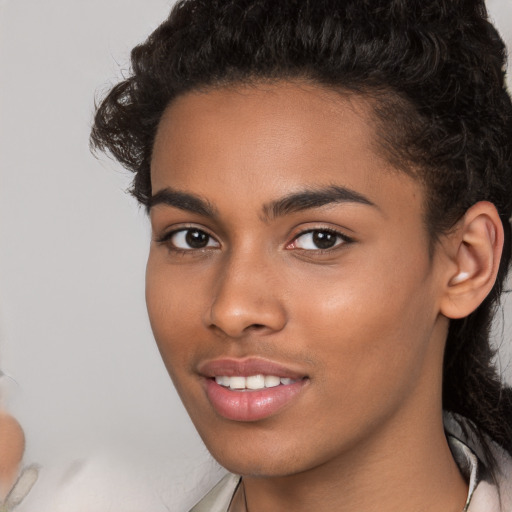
<point x="475" y="246"/>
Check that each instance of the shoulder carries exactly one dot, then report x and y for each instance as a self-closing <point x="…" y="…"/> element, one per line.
<point x="499" y="492"/>
<point x="492" y="493"/>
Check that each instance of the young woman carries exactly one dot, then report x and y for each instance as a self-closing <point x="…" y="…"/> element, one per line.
<point x="330" y="189"/>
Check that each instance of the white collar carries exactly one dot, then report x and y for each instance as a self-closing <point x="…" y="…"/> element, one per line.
<point x="468" y="463"/>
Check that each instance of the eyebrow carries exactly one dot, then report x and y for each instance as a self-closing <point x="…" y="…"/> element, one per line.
<point x="292" y="203"/>
<point x="182" y="201"/>
<point x="313" y="198"/>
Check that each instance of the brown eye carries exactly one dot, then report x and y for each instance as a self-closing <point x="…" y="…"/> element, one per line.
<point x="319" y="239"/>
<point x="192" y="238"/>
<point x="324" y="239"/>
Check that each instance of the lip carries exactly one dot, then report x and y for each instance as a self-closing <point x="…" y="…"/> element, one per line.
<point x="250" y="405"/>
<point x="247" y="367"/>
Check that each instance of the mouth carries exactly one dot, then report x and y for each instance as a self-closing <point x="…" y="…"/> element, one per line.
<point x="250" y="389"/>
<point x="253" y="382"/>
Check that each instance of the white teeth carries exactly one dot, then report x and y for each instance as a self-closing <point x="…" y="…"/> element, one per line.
<point x="255" y="382"/>
<point x="271" y="381"/>
<point x="237" y="382"/>
<point x="222" y="381"/>
<point x="252" y="382"/>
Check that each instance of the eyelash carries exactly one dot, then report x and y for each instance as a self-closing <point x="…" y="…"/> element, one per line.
<point x="340" y="238"/>
<point x="166" y="239"/>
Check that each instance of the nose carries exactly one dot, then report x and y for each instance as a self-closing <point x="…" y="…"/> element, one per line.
<point x="246" y="299"/>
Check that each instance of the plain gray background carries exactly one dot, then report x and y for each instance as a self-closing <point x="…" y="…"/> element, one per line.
<point x="98" y="409"/>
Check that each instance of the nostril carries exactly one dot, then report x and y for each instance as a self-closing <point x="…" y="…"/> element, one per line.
<point x="257" y="327"/>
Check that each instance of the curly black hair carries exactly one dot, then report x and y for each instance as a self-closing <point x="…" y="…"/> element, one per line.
<point x="434" y="70"/>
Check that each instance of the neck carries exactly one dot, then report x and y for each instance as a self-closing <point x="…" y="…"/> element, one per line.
<point x="412" y="471"/>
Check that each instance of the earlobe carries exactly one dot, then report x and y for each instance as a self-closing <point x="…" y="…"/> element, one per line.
<point x="478" y="243"/>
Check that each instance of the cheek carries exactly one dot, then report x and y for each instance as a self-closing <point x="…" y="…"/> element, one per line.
<point x="369" y="328"/>
<point x="173" y="305"/>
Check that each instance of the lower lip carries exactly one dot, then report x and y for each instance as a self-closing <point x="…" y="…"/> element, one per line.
<point x="251" y="405"/>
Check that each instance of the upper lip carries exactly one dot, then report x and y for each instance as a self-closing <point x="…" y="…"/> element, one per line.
<point x="246" y="367"/>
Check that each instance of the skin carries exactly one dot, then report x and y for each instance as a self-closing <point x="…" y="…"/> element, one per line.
<point x="12" y="446"/>
<point x="362" y="320"/>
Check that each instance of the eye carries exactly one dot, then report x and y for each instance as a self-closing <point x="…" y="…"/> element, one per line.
<point x="189" y="239"/>
<point x="318" y="239"/>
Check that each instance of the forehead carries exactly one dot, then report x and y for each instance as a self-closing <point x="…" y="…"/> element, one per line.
<point x="264" y="141"/>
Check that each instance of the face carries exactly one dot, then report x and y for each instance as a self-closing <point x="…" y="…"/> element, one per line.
<point x="289" y="283"/>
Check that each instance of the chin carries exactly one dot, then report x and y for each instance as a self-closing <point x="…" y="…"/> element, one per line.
<point x="270" y="457"/>
<point x="260" y="466"/>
